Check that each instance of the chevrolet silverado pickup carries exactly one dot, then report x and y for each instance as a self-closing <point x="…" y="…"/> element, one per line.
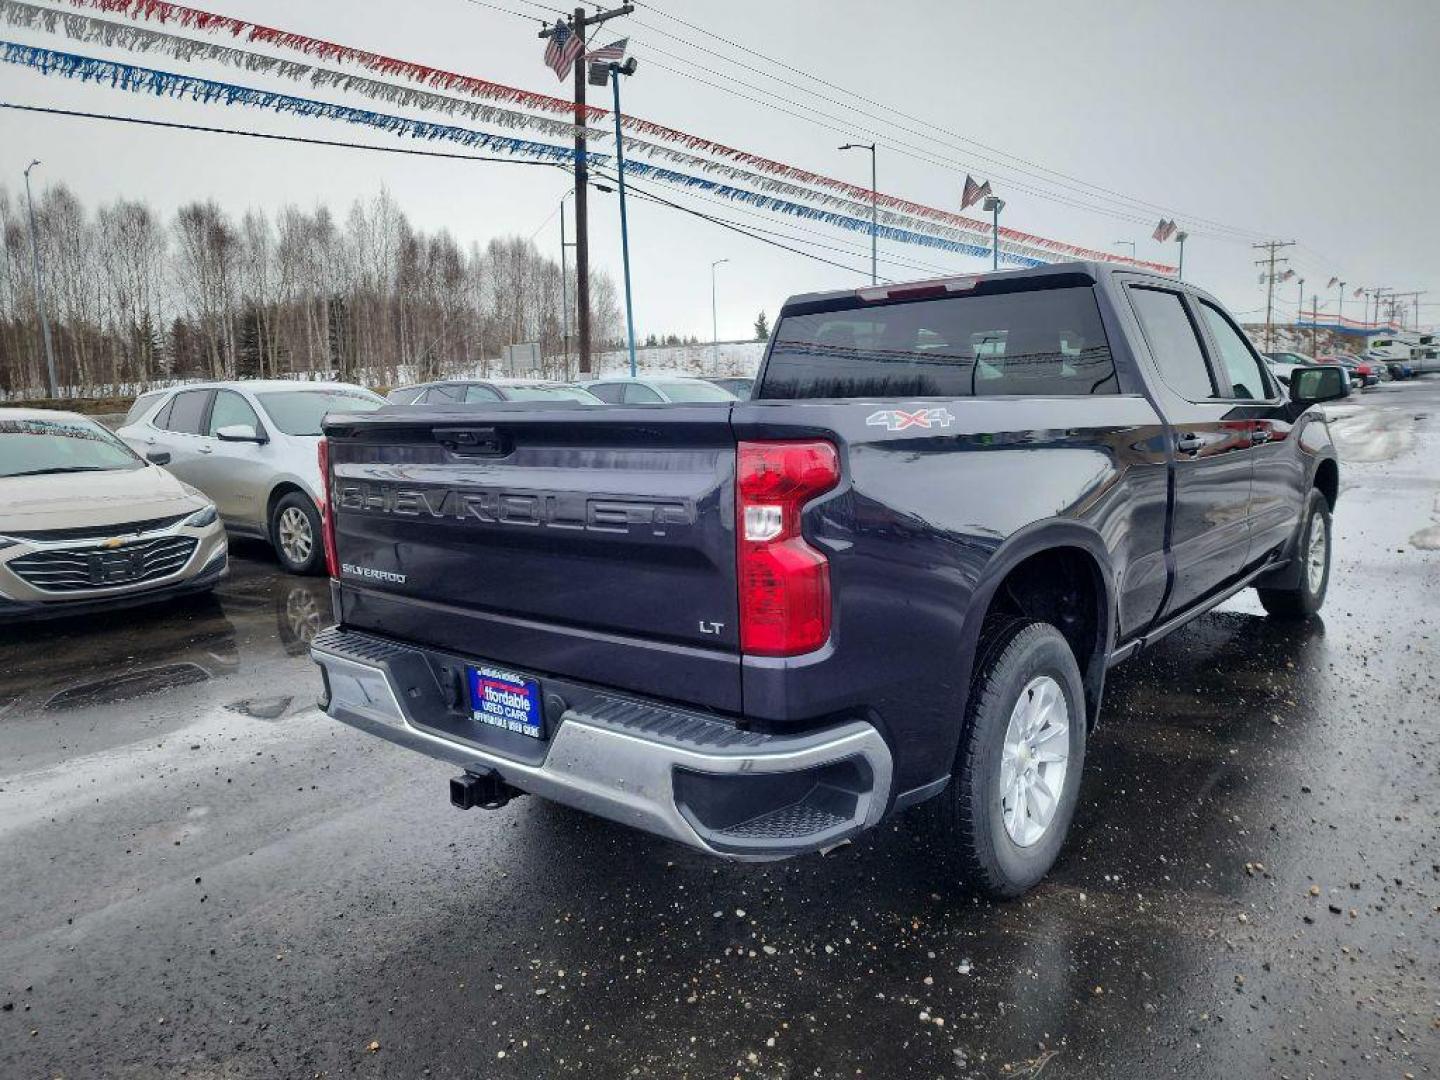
<point x="897" y="574"/>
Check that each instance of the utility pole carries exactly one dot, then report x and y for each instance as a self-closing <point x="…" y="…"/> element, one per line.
<point x="40" y="289"/>
<point x="874" y="204"/>
<point x="1271" y="249"/>
<point x="579" y="23"/>
<point x="1376" y="293"/>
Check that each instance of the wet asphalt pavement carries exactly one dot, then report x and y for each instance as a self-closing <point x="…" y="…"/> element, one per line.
<point x="201" y="875"/>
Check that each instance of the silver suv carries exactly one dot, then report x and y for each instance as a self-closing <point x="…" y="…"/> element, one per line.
<point x="250" y="446"/>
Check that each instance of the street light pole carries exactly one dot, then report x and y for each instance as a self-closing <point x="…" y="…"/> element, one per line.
<point x="1340" y="306"/>
<point x="40" y="288"/>
<point x="1180" y="239"/>
<point x="565" y="284"/>
<point x="1126" y="243"/>
<point x="616" y="70"/>
<point x="1300" y="304"/>
<point x="874" y="206"/>
<point x="714" y="319"/>
<point x="994" y="204"/>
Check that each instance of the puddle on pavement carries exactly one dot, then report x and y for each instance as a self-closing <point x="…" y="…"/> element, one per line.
<point x="258" y="615"/>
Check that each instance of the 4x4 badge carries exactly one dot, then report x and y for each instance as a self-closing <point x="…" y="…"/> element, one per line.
<point x="899" y="419"/>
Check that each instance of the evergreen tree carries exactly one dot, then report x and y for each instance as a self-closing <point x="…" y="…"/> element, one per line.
<point x="762" y="327"/>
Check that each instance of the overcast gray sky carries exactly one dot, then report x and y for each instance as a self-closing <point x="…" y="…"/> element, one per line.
<point x="1313" y="122"/>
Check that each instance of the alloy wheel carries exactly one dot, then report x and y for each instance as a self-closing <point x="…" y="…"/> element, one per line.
<point x="1034" y="761"/>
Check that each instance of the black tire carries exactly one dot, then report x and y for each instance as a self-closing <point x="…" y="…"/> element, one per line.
<point x="970" y="812"/>
<point x="294" y="556"/>
<point x="1306" y="597"/>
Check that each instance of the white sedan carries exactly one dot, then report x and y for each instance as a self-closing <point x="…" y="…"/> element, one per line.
<point x="251" y="447"/>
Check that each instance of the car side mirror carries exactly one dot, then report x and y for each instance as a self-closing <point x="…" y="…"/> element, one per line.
<point x="1312" y="385"/>
<point x="158" y="457"/>
<point x="239" y="433"/>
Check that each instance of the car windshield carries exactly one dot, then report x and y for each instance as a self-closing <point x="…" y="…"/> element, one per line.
<point x="39" y="447"/>
<point x="299" y="412"/>
<point x="696" y="391"/>
<point x="549" y="393"/>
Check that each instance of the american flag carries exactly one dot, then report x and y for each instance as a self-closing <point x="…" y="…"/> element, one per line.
<point x="1164" y="230"/>
<point x="1333" y="282"/>
<point x="973" y="192"/>
<point x="608" y="54"/>
<point x="1359" y="292"/>
<point x="562" y="50"/>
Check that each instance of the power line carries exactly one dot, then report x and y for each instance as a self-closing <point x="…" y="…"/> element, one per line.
<point x="1035" y="167"/>
<point x="742" y="229"/>
<point x="339" y="144"/>
<point x="846" y="127"/>
<point x="276" y="138"/>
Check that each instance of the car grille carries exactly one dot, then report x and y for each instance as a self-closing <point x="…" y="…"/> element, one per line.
<point x="82" y="568"/>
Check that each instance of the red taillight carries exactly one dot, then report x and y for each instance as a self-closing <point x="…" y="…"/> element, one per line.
<point x="327" y="519"/>
<point x="784" y="582"/>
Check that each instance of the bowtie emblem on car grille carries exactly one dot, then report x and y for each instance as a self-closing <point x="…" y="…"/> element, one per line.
<point x="900" y="420"/>
<point x="113" y="542"/>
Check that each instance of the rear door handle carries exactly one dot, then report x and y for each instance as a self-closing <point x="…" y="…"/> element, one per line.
<point x="1260" y="435"/>
<point x="1189" y="443"/>
<point x="206" y="450"/>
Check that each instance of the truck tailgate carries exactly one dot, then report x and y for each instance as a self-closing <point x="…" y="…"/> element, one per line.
<point x="595" y="544"/>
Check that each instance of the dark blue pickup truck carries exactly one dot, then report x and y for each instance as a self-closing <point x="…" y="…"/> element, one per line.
<point x="898" y="573"/>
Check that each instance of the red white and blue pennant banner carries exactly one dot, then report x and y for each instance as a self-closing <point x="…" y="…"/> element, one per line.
<point x="162" y="11"/>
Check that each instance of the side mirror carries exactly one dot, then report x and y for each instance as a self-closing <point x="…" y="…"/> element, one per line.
<point x="1312" y="385"/>
<point x="158" y="457"/>
<point x="238" y="433"/>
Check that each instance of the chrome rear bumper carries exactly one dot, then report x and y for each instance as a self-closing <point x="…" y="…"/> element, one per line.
<point x="683" y="775"/>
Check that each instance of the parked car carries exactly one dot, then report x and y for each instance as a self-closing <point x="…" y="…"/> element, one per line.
<point x="739" y="386"/>
<point x="656" y="390"/>
<point x="86" y="523"/>
<point x="898" y="573"/>
<point x="456" y="391"/>
<point x="1364" y="373"/>
<point x="250" y="446"/>
<point x="1283" y="364"/>
<point x="1380" y="369"/>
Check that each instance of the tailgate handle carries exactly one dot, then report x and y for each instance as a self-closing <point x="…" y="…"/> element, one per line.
<point x="479" y="440"/>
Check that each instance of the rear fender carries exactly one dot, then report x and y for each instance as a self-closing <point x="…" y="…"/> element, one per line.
<point x="1033" y="539"/>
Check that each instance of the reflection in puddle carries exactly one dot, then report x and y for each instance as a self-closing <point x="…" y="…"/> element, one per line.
<point x="257" y="616"/>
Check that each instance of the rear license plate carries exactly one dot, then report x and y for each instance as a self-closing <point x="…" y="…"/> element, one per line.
<point x="507" y="701"/>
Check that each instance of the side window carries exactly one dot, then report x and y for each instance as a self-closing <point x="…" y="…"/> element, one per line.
<point x="140" y="408"/>
<point x="475" y="392"/>
<point x="187" y="412"/>
<point x="636" y="394"/>
<point x="444" y="394"/>
<point x="608" y="392"/>
<point x="1242" y="370"/>
<point x="1173" y="342"/>
<point x="230" y="409"/>
<point x="162" y="418"/>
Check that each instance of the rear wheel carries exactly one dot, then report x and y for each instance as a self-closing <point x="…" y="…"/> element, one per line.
<point x="1307" y="597"/>
<point x="1017" y="772"/>
<point x="295" y="534"/>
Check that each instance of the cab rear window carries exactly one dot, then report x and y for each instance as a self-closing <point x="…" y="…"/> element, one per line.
<point x="1037" y="342"/>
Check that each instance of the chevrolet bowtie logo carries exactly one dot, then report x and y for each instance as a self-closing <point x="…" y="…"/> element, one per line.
<point x="113" y="542"/>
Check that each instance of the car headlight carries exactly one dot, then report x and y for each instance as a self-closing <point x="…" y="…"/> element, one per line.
<point x="206" y="515"/>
